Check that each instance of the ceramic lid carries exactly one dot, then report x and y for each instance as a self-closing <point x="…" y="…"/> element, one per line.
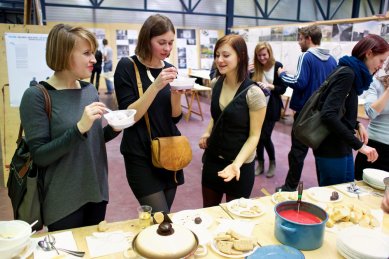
<point x="165" y="241"/>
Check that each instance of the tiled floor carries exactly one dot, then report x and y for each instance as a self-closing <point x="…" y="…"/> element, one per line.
<point x="122" y="204"/>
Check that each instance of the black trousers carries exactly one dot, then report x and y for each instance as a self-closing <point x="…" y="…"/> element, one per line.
<point x="89" y="214"/>
<point x="97" y="72"/>
<point x="296" y="158"/>
<point x="381" y="163"/>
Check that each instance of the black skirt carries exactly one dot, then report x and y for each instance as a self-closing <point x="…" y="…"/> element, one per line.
<point x="210" y="179"/>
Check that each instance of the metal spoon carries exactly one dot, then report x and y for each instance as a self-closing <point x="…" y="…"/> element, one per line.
<point x="47" y="246"/>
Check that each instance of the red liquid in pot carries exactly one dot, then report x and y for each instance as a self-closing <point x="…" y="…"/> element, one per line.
<point x="300" y="217"/>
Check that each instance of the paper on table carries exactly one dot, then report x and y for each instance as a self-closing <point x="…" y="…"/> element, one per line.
<point x="109" y="244"/>
<point x="343" y="189"/>
<point x="243" y="227"/>
<point x="63" y="240"/>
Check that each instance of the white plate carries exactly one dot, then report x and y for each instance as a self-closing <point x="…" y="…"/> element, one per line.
<point x="323" y="194"/>
<point x="278" y="197"/>
<point x="364" y="242"/>
<point x="186" y="218"/>
<point x="246" y="208"/>
<point x="214" y="248"/>
<point x="375" y="177"/>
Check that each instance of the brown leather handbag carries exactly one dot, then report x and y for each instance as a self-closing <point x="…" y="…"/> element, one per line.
<point x="171" y="153"/>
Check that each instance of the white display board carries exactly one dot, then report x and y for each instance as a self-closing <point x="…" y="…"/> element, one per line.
<point x="26" y="61"/>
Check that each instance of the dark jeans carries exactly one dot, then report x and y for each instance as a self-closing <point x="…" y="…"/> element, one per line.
<point x="92" y="78"/>
<point x="89" y="214"/>
<point x="296" y="158"/>
<point x="335" y="170"/>
<point x="266" y="142"/>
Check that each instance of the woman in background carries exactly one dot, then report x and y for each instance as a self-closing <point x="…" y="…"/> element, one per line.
<point x="377" y="109"/>
<point x="265" y="74"/>
<point x="71" y="145"/>
<point x="334" y="157"/>
<point x="152" y="186"/>
<point x="230" y="141"/>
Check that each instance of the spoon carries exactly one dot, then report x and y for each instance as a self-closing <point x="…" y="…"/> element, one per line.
<point x="48" y="246"/>
<point x="107" y="109"/>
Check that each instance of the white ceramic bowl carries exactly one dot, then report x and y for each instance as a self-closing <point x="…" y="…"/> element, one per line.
<point x="15" y="251"/>
<point x="375" y="177"/>
<point x="121" y="119"/>
<point x="13" y="234"/>
<point x="183" y="83"/>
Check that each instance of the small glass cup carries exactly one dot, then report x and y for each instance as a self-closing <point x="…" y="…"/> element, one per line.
<point x="144" y="216"/>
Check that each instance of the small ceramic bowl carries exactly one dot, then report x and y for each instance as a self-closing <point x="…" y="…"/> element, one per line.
<point x="183" y="83"/>
<point x="121" y="119"/>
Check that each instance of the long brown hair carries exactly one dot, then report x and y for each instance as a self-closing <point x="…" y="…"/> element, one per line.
<point x="258" y="67"/>
<point x="240" y="47"/>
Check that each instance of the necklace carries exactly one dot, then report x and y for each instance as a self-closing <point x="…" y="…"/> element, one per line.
<point x="149" y="75"/>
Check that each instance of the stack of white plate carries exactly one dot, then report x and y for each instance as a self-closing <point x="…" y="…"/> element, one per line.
<point x="362" y="243"/>
<point x="375" y="177"/>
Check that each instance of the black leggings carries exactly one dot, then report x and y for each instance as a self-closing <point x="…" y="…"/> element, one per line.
<point x="265" y="141"/>
<point x="160" y="201"/>
<point x="89" y="214"/>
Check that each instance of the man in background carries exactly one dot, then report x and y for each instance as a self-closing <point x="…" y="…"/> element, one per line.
<point x="107" y="56"/>
<point x="97" y="69"/>
<point x="314" y="65"/>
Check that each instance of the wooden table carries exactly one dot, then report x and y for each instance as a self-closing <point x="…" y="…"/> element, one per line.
<point x="263" y="231"/>
<point x="194" y="95"/>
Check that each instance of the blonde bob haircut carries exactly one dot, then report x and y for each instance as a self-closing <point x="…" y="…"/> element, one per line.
<point x="258" y="67"/>
<point x="60" y="43"/>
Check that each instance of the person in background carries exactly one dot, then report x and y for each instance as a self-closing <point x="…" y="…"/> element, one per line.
<point x="97" y="68"/>
<point x="265" y="74"/>
<point x="377" y="109"/>
<point x="107" y="56"/>
<point x="314" y="65"/>
<point x="33" y="82"/>
<point x="334" y="157"/>
<point x="152" y="186"/>
<point x="231" y="142"/>
<point x="71" y="145"/>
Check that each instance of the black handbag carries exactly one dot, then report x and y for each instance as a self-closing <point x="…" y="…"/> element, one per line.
<point x="308" y="127"/>
<point x="25" y="181"/>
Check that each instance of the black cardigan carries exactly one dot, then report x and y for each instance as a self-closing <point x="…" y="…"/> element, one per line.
<point x="274" y="106"/>
<point x="342" y="137"/>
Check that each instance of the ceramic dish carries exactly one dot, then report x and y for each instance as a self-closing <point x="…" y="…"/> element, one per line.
<point x="244" y="254"/>
<point x="183" y="83"/>
<point x="245" y="208"/>
<point x="375" y="177"/>
<point x="278" y="197"/>
<point x="276" y="251"/>
<point x="121" y="119"/>
<point x="323" y="194"/>
<point x="190" y="219"/>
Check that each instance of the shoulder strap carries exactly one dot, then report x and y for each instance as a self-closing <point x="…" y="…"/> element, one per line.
<point x="47" y="109"/>
<point x="140" y="90"/>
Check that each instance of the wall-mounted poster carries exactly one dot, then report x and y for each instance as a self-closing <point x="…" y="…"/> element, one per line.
<point x="385" y="30"/>
<point x="276" y="34"/>
<point x="289" y="33"/>
<point x="187" y="53"/>
<point x="208" y="39"/>
<point x="125" y="43"/>
<point x="342" y="32"/>
<point x="26" y="63"/>
<point x="326" y="31"/>
<point x="100" y="35"/>
<point x="362" y="29"/>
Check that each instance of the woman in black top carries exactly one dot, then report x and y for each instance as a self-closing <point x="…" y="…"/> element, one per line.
<point x="334" y="157"/>
<point x="265" y="74"/>
<point x="152" y="186"/>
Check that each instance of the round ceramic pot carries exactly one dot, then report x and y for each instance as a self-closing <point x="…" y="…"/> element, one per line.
<point x="299" y="235"/>
<point x="165" y="240"/>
